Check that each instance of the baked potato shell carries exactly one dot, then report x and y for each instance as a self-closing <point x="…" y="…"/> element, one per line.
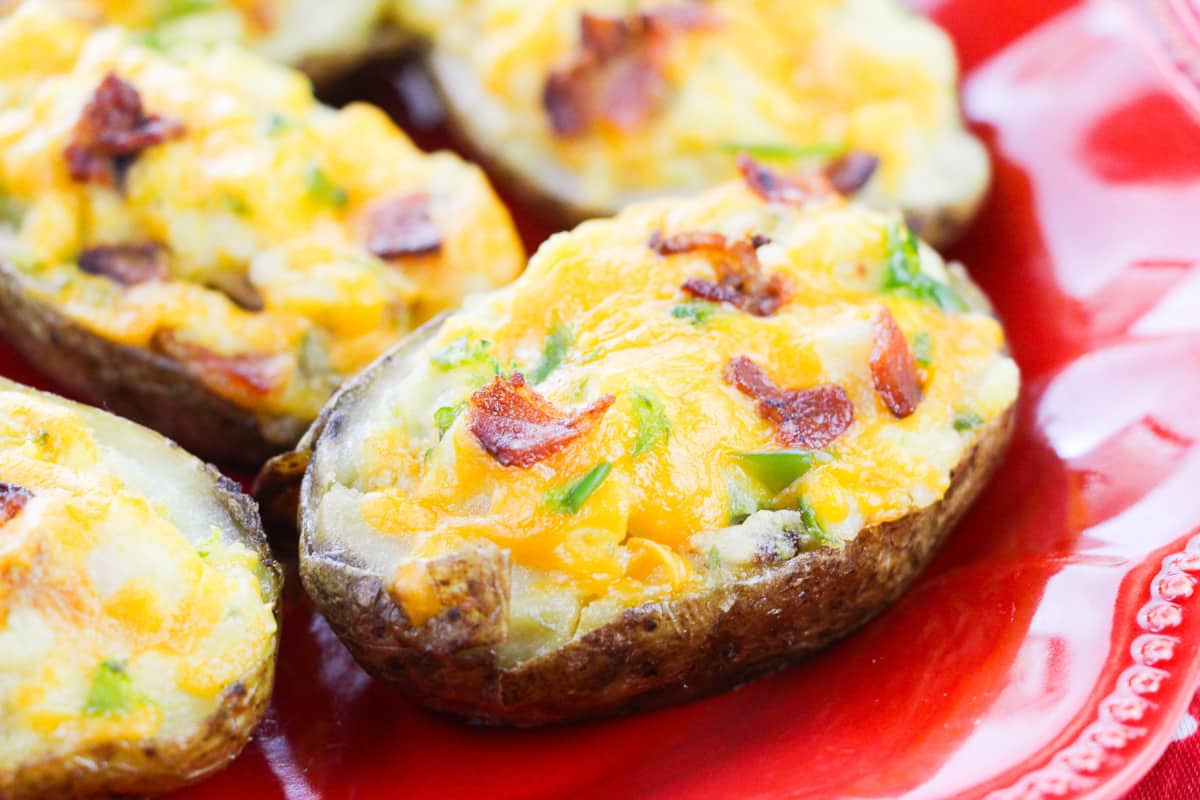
<point x="652" y="655"/>
<point x="137" y="383"/>
<point x="153" y="766"/>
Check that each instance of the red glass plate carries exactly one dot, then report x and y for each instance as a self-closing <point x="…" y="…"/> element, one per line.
<point x="1051" y="648"/>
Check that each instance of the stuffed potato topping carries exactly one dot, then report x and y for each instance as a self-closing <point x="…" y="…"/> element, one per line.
<point x="197" y="242"/>
<point x="688" y="444"/>
<point x="596" y="103"/>
<point x="138" y="606"/>
<point x="321" y="37"/>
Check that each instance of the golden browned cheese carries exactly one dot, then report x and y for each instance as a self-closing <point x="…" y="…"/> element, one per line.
<point x="266" y="215"/>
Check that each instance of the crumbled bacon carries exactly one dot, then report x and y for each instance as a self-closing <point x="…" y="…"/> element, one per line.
<point x="12" y="499"/>
<point x="402" y="226"/>
<point x="740" y="279"/>
<point x="519" y="427"/>
<point x="852" y="171"/>
<point x="245" y="379"/>
<point x="126" y="264"/>
<point x="797" y="190"/>
<point x="811" y="418"/>
<point x="617" y="74"/>
<point x="112" y="130"/>
<point x="893" y="367"/>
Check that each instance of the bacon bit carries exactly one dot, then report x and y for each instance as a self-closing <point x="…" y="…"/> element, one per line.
<point x="852" y="171"/>
<point x="519" y="427"/>
<point x="617" y="73"/>
<point x="245" y="379"/>
<point x="12" y="499"/>
<point x="893" y="367"/>
<point x="402" y="226"/>
<point x="811" y="418"/>
<point x="740" y="279"/>
<point x="126" y="264"/>
<point x="797" y="190"/>
<point x="112" y="130"/>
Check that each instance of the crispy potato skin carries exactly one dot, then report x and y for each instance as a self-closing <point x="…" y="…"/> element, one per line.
<point x="139" y="384"/>
<point x="652" y="655"/>
<point x="140" y="768"/>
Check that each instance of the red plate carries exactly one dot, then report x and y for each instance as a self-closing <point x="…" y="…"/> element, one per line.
<point x="1053" y="645"/>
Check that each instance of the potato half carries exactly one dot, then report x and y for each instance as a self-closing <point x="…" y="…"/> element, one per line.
<point x="688" y="445"/>
<point x="194" y="241"/>
<point x="139" y="607"/>
<point x="593" y="104"/>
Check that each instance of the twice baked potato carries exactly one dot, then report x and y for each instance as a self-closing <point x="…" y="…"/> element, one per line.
<point x="138" y="606"/>
<point x="322" y="38"/>
<point x="593" y="104"/>
<point x="688" y="445"/>
<point x="197" y="243"/>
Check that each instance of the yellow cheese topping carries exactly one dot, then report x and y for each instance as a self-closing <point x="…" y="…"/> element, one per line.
<point x="113" y="625"/>
<point x="636" y="508"/>
<point x="799" y="81"/>
<point x="266" y="193"/>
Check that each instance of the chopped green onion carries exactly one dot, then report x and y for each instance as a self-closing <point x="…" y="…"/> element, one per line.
<point x="444" y="417"/>
<point x="967" y="420"/>
<point x="696" y="312"/>
<point x="322" y="190"/>
<point x="111" y="692"/>
<point x="554" y="352"/>
<point x="814" y="529"/>
<point x="598" y="353"/>
<point x="922" y="347"/>
<point x="173" y="9"/>
<point x="714" y="557"/>
<point x="652" y="422"/>
<point x="742" y="500"/>
<point x="902" y="273"/>
<point x="776" y="469"/>
<point x="766" y="151"/>
<point x="568" y="499"/>
<point x="463" y="350"/>
<point x="210" y="543"/>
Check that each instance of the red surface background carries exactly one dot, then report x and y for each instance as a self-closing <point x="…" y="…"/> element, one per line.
<point x="1053" y="646"/>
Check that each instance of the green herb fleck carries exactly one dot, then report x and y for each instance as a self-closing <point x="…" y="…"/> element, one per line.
<point x="276" y="124"/>
<point x="598" y="353"/>
<point x="463" y="350"/>
<point x="322" y="190"/>
<point x="714" y="558"/>
<point x="696" y="312"/>
<point x="776" y="469"/>
<point x="764" y="151"/>
<point x="902" y="272"/>
<point x="653" y="426"/>
<point x="554" y="352"/>
<point x="235" y="205"/>
<point x="814" y="529"/>
<point x="41" y="437"/>
<point x="111" y="693"/>
<point x="742" y="499"/>
<point x="173" y="9"/>
<point x="967" y="420"/>
<point x="210" y="543"/>
<point x="922" y="347"/>
<point x="152" y="40"/>
<point x="569" y="498"/>
<point x="444" y="417"/>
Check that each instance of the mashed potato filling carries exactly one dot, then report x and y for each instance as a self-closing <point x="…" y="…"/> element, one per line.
<point x="668" y="467"/>
<point x="265" y="230"/>
<point x="126" y="610"/>
<point x="800" y="82"/>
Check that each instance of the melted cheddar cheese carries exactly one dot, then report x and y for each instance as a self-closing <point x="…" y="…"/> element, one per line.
<point x="656" y="498"/>
<point x="793" y="81"/>
<point x="266" y="192"/>
<point x="123" y="616"/>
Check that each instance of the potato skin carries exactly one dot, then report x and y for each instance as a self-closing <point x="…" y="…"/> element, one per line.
<point x="653" y="655"/>
<point x="140" y="768"/>
<point x="134" y="382"/>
